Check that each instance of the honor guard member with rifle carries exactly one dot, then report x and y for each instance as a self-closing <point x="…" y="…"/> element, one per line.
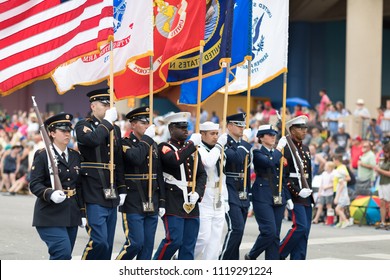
<point x="268" y="200"/>
<point x="93" y="139"/>
<point x="181" y="220"/>
<point x="298" y="159"/>
<point x="58" y="213"/>
<point x="138" y="217"/>
<point x="236" y="172"/>
<point x="215" y="200"/>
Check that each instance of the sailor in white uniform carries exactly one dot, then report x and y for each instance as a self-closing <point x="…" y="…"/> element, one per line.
<point x="215" y="200"/>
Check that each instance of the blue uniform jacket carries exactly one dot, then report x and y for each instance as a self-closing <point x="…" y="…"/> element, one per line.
<point x="267" y="166"/>
<point x="235" y="153"/>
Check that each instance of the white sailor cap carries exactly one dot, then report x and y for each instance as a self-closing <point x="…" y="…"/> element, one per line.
<point x="300" y="121"/>
<point x="266" y="129"/>
<point x="207" y="126"/>
<point x="179" y="119"/>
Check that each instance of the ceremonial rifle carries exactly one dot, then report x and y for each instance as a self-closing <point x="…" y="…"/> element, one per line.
<point x="53" y="168"/>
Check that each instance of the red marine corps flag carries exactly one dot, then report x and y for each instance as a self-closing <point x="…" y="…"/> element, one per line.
<point x="37" y="36"/>
<point x="179" y="27"/>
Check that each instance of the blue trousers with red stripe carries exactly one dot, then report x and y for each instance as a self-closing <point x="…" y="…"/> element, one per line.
<point x="295" y="242"/>
<point x="180" y="234"/>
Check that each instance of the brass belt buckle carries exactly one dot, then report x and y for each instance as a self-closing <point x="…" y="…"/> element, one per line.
<point x="147" y="207"/>
<point x="277" y="200"/>
<point x="109" y="193"/>
<point x="242" y="195"/>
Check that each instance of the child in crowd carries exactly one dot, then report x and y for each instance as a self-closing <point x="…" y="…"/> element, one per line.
<point x="341" y="199"/>
<point x="325" y="192"/>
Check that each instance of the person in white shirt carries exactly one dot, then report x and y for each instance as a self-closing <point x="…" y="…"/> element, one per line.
<point x="325" y="192"/>
<point x="215" y="200"/>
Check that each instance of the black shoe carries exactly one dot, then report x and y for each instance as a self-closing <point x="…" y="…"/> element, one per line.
<point x="247" y="257"/>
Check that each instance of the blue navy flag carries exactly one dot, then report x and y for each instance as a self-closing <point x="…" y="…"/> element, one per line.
<point x="186" y="68"/>
<point x="241" y="46"/>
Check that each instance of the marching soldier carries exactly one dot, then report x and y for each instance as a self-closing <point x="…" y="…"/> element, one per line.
<point x="181" y="220"/>
<point x="215" y="202"/>
<point x="138" y="217"/>
<point x="57" y="213"/>
<point x="295" y="242"/>
<point x="236" y="150"/>
<point x="268" y="212"/>
<point x="93" y="139"/>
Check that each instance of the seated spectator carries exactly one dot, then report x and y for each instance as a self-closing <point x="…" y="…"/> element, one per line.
<point x="332" y="117"/>
<point x="341" y="138"/>
<point x="9" y="165"/>
<point x="316" y="139"/>
<point x="373" y="132"/>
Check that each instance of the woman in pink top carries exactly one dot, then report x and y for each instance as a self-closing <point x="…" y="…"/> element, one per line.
<point x="325" y="101"/>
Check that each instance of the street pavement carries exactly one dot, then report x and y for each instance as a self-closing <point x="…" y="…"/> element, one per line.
<point x="20" y="241"/>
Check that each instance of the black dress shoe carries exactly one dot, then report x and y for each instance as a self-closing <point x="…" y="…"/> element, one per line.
<point x="247" y="257"/>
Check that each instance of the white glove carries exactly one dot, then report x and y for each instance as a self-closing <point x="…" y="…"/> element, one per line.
<point x="122" y="198"/>
<point x="290" y="204"/>
<point x="227" y="207"/>
<point x="83" y="222"/>
<point x="58" y="196"/>
<point x="151" y="131"/>
<point x="222" y="140"/>
<point x="194" y="197"/>
<point x="282" y="143"/>
<point x="247" y="133"/>
<point x="305" y="193"/>
<point x="111" y="115"/>
<point x="196" y="138"/>
<point x="161" y="212"/>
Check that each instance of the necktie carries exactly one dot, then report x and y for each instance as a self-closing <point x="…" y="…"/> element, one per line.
<point x="64" y="156"/>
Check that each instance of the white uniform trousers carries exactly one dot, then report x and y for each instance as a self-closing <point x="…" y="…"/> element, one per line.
<point x="208" y="244"/>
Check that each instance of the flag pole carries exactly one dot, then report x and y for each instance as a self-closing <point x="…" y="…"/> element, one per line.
<point x="279" y="198"/>
<point x="111" y="194"/>
<point x="225" y="63"/>
<point x="248" y="108"/>
<point x="149" y="207"/>
<point x="198" y="103"/>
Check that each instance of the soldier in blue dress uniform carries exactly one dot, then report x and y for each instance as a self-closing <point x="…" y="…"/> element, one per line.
<point x="138" y="217"/>
<point x="181" y="227"/>
<point x="93" y="139"/>
<point x="295" y="241"/>
<point x="236" y="150"/>
<point x="58" y="213"/>
<point x="268" y="211"/>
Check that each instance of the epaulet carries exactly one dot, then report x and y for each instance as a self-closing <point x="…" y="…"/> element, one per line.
<point x="73" y="150"/>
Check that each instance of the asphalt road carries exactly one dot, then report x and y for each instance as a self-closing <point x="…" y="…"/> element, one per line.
<point x="20" y="241"/>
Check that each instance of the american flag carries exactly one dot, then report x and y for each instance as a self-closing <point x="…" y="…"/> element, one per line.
<point x="37" y="36"/>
